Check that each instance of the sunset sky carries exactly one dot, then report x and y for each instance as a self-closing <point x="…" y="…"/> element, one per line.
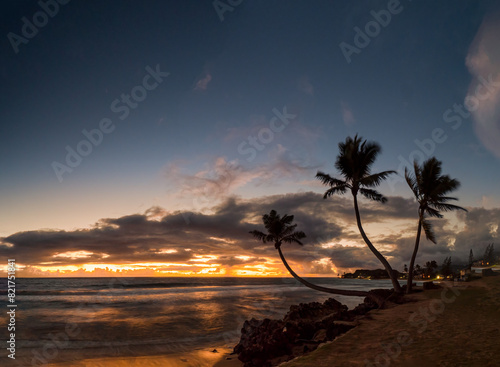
<point x="149" y="137"/>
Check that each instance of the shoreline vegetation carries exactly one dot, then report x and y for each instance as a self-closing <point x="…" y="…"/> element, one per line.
<point x="369" y="274"/>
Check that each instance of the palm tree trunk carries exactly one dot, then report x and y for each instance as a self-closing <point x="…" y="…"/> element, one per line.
<point x="343" y="292"/>
<point x="409" y="283"/>
<point x="387" y="266"/>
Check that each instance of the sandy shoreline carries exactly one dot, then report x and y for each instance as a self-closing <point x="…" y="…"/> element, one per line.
<point x="198" y="358"/>
<point x="453" y="326"/>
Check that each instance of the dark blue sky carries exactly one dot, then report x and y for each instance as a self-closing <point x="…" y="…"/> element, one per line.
<point x="181" y="146"/>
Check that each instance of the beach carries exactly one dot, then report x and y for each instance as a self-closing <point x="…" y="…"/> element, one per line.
<point x="151" y="321"/>
<point x="454" y="326"/>
<point x="199" y="358"/>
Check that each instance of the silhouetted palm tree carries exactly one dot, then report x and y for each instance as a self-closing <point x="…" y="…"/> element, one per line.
<point x="429" y="268"/>
<point x="354" y="163"/>
<point x="430" y="189"/>
<point x="418" y="269"/>
<point x="279" y="230"/>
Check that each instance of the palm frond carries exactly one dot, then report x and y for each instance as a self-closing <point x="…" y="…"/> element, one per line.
<point x="259" y="235"/>
<point x="295" y="237"/>
<point x="447" y="207"/>
<point x="429" y="234"/>
<point x="288" y="230"/>
<point x="444" y="185"/>
<point x="417" y="170"/>
<point x="373" y="195"/>
<point x="328" y="180"/>
<point x="335" y="190"/>
<point x="287" y="219"/>
<point x="368" y="154"/>
<point x="444" y="199"/>
<point x="412" y="182"/>
<point x="375" y="179"/>
<point x="433" y="212"/>
<point x="270" y="219"/>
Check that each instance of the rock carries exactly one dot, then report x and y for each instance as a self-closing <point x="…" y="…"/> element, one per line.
<point x="262" y="340"/>
<point x="314" y="310"/>
<point x="320" y="336"/>
<point x="215" y="351"/>
<point x="430" y="285"/>
<point x="269" y="342"/>
<point x="303" y="328"/>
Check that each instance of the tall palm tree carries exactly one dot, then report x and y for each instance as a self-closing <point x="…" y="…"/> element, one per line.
<point x="354" y="162"/>
<point x="430" y="189"/>
<point x="279" y="230"/>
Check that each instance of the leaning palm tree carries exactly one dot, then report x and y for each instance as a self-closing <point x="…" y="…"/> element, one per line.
<point x="430" y="189"/>
<point x="354" y="163"/>
<point x="281" y="230"/>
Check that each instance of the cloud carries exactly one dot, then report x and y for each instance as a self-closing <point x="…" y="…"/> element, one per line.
<point x="347" y="115"/>
<point x="478" y="230"/>
<point x="214" y="181"/>
<point x="304" y="85"/>
<point x="220" y="178"/>
<point x="483" y="99"/>
<point x="202" y="84"/>
<point x="353" y="257"/>
<point x="196" y="243"/>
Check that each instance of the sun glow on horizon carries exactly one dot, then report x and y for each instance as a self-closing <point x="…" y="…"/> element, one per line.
<point x="202" y="268"/>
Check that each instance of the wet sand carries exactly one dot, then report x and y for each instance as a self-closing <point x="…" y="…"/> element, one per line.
<point x="199" y="358"/>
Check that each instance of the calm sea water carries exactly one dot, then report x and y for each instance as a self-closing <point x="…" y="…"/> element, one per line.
<point x="143" y="316"/>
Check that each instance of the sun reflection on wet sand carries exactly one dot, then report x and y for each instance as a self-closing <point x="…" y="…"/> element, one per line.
<point x="199" y="358"/>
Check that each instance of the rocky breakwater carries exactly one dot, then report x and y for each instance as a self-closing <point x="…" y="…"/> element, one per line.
<point x="267" y="342"/>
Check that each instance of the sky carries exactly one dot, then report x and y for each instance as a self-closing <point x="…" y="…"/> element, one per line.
<point x="147" y="139"/>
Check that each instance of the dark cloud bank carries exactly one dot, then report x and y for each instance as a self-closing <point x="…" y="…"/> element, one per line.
<point x="152" y="236"/>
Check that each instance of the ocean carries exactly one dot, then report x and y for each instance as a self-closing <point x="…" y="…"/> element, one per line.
<point x="69" y="319"/>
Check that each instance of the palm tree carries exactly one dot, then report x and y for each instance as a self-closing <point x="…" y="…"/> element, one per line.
<point x="354" y="163"/>
<point x="418" y="269"/>
<point x="279" y="230"/>
<point x="430" y="189"/>
<point x="430" y="266"/>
